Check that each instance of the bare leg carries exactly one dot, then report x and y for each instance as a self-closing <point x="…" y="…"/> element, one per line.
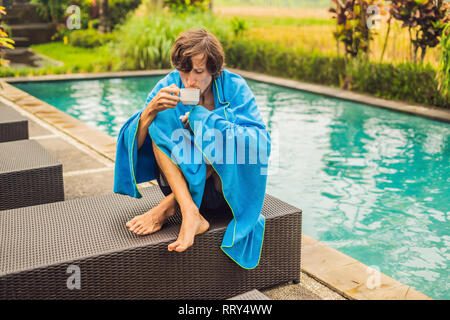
<point x="154" y="219"/>
<point x="193" y="222"/>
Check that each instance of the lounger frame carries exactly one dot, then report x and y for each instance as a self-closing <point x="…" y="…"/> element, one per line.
<point x="29" y="175"/>
<point x="49" y="250"/>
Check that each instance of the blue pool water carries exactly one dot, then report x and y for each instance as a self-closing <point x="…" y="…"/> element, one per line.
<point x="372" y="183"/>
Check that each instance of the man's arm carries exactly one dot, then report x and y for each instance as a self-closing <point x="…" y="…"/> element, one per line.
<point x="166" y="98"/>
<point x="144" y="122"/>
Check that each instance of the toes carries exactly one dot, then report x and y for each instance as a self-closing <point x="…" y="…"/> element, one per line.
<point x="135" y="226"/>
<point x="180" y="248"/>
<point x="173" y="245"/>
<point x="183" y="247"/>
<point x="139" y="230"/>
<point x="132" y="221"/>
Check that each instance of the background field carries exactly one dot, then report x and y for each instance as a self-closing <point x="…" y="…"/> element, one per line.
<point x="312" y="29"/>
<point x="291" y="39"/>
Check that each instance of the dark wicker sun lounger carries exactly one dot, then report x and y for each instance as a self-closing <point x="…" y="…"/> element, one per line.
<point x="29" y="175"/>
<point x="13" y="126"/>
<point x="84" y="242"/>
<point x="251" y="295"/>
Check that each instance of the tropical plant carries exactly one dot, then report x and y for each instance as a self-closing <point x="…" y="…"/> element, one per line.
<point x="145" y="42"/>
<point x="239" y="26"/>
<point x="104" y="25"/>
<point x="425" y="20"/>
<point x="187" y="5"/>
<point x="444" y="62"/>
<point x="351" y="28"/>
<point x="51" y="9"/>
<point x="90" y="10"/>
<point x="5" y="41"/>
<point x="389" y="20"/>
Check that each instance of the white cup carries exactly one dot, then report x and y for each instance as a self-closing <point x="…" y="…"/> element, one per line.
<point x="189" y="96"/>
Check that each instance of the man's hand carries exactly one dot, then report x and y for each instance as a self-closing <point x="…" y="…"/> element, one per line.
<point x="185" y="120"/>
<point x="166" y="98"/>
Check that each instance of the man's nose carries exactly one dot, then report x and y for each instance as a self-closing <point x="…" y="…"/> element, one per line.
<point x="191" y="82"/>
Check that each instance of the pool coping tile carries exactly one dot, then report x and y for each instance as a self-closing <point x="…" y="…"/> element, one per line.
<point x="96" y="140"/>
<point x="350" y="277"/>
<point x="334" y="269"/>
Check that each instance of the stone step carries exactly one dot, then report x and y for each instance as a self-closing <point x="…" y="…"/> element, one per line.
<point x="17" y="51"/>
<point x="23" y="57"/>
<point x="35" y="32"/>
<point x="24" y="30"/>
<point x="21" y="42"/>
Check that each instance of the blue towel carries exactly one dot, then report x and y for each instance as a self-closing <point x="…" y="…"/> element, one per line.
<point x="232" y="138"/>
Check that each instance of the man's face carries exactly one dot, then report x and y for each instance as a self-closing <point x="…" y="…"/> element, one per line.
<point x="199" y="77"/>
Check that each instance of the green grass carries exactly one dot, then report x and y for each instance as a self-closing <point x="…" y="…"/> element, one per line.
<point x="82" y="58"/>
<point x="302" y="53"/>
<point x="74" y="59"/>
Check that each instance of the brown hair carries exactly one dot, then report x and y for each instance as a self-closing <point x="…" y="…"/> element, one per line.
<point x="192" y="42"/>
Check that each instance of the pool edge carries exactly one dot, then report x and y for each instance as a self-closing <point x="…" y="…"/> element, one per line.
<point x="339" y="272"/>
<point x="350" y="277"/>
<point x="430" y="112"/>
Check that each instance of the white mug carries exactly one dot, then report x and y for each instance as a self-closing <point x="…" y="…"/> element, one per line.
<point x="189" y="96"/>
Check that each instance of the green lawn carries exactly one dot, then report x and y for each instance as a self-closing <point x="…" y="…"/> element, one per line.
<point x="81" y="59"/>
<point x="74" y="59"/>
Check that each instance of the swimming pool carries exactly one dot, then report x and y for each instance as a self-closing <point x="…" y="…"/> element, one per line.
<point x="372" y="183"/>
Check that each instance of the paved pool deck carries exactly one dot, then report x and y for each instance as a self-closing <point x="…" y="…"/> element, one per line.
<point x="88" y="154"/>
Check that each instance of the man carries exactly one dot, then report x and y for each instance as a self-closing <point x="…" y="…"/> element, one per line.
<point x="146" y="149"/>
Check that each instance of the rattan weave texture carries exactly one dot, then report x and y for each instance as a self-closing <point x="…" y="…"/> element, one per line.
<point x="13" y="126"/>
<point x="39" y="243"/>
<point x="29" y="175"/>
<point x="251" y="295"/>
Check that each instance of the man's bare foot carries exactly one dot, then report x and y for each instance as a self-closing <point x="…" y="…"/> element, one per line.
<point x="153" y="220"/>
<point x="193" y="223"/>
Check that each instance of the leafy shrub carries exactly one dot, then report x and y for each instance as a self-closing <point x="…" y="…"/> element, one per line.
<point x="191" y="6"/>
<point x="239" y="26"/>
<point x="425" y="18"/>
<point x="352" y="27"/>
<point x="88" y="38"/>
<point x="444" y="62"/>
<point x="145" y="42"/>
<point x="119" y="9"/>
<point x="55" y="10"/>
<point x="407" y="81"/>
